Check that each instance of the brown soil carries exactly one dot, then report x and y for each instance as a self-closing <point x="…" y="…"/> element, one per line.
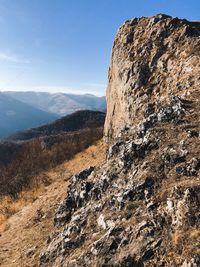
<point x="22" y="234"/>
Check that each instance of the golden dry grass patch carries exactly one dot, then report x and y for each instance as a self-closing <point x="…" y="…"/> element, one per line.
<point x="19" y="229"/>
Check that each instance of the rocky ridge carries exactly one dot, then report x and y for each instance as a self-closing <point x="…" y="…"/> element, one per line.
<point x="141" y="207"/>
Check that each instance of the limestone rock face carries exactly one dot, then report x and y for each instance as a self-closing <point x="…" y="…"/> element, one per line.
<point x="152" y="59"/>
<point x="141" y="207"/>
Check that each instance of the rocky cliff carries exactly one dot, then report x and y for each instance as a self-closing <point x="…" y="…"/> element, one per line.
<point x="153" y="59"/>
<point x="141" y="207"/>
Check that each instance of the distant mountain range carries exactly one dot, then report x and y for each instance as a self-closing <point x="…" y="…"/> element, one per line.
<point x="60" y="103"/>
<point x="74" y="122"/>
<point x="16" y="115"/>
<point x="27" y="153"/>
<point x="24" y="110"/>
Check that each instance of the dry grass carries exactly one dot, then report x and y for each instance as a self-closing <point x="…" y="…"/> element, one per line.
<point x="20" y="231"/>
<point x="195" y="234"/>
<point x="38" y="155"/>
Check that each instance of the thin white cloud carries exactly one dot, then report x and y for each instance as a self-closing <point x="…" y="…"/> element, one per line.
<point x="7" y="57"/>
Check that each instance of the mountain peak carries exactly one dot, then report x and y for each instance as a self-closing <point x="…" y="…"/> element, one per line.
<point x="60" y="103"/>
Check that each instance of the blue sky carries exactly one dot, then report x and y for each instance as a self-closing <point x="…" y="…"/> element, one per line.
<point x="65" y="45"/>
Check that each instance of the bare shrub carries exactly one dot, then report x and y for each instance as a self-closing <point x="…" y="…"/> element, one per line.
<point x="41" y="154"/>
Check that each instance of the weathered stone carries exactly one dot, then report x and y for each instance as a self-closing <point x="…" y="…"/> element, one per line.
<point x="189" y="169"/>
<point x="143" y="77"/>
<point x="141" y="207"/>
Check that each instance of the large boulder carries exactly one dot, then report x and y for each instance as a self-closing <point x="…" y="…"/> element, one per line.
<point x="152" y="59"/>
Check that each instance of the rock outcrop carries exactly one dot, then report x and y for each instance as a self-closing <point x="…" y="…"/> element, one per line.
<point x="152" y="60"/>
<point x="141" y="208"/>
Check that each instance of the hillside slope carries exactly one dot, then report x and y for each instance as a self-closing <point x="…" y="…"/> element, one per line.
<point x="141" y="208"/>
<point x="24" y="155"/>
<point x="15" y="116"/>
<point x="70" y="123"/>
<point x="23" y="235"/>
<point x="60" y="103"/>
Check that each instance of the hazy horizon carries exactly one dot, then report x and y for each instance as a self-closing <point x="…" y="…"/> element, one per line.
<point x="65" y="46"/>
<point x="56" y="92"/>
